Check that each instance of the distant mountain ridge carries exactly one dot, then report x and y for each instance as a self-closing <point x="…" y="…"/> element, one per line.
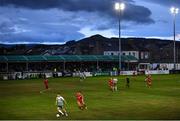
<point x="160" y="50"/>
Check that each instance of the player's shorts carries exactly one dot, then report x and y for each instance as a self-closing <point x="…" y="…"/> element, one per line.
<point x="60" y="106"/>
<point x="149" y="83"/>
<point x="80" y="103"/>
<point x="46" y="86"/>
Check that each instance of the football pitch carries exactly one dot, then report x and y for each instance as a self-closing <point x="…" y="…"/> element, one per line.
<point x="21" y="99"/>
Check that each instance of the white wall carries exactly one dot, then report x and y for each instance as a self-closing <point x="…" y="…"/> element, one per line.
<point x="164" y="66"/>
<point x="133" y="53"/>
<point x="157" y="72"/>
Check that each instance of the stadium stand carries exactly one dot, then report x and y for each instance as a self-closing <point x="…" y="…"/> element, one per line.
<point x="66" y="58"/>
<point x="20" y="66"/>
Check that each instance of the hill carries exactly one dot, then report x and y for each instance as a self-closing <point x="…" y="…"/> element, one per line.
<point x="160" y="50"/>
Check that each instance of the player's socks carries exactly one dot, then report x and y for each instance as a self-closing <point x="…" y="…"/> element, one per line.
<point x="80" y="107"/>
<point x="115" y="88"/>
<point x="66" y="114"/>
<point x="61" y="112"/>
<point x="85" y="107"/>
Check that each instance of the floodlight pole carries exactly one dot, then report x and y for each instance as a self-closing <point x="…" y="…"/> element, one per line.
<point x="174" y="29"/>
<point x="120" y="40"/>
<point x="174" y="11"/>
<point x="119" y="7"/>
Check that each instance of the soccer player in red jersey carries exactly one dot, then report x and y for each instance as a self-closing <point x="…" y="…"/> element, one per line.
<point x="46" y="83"/>
<point x="80" y="101"/>
<point x="111" y="84"/>
<point x="149" y="81"/>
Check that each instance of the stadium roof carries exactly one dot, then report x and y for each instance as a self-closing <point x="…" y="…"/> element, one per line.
<point x="67" y="58"/>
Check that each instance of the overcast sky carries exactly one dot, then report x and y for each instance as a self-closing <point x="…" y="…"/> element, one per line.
<point x="58" y="21"/>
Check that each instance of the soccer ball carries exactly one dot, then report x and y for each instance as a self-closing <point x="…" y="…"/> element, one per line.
<point x="57" y="115"/>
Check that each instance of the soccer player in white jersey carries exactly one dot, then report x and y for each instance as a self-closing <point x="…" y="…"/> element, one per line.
<point x="60" y="101"/>
<point x="115" y="80"/>
<point x="82" y="76"/>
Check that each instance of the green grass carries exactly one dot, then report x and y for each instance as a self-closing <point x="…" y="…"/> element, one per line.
<point x="21" y="99"/>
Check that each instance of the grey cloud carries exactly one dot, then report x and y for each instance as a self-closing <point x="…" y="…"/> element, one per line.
<point x="137" y="13"/>
<point x="134" y="12"/>
<point x="41" y="36"/>
<point x="168" y="3"/>
<point x="88" y="5"/>
<point x="6" y="27"/>
<point x="35" y="27"/>
<point x="61" y="20"/>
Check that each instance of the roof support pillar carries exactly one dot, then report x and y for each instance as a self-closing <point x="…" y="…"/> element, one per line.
<point x="64" y="66"/>
<point x="7" y="67"/>
<point x="97" y="65"/>
<point x="27" y="66"/>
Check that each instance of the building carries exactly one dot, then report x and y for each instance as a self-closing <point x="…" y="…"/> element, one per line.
<point x="140" y="55"/>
